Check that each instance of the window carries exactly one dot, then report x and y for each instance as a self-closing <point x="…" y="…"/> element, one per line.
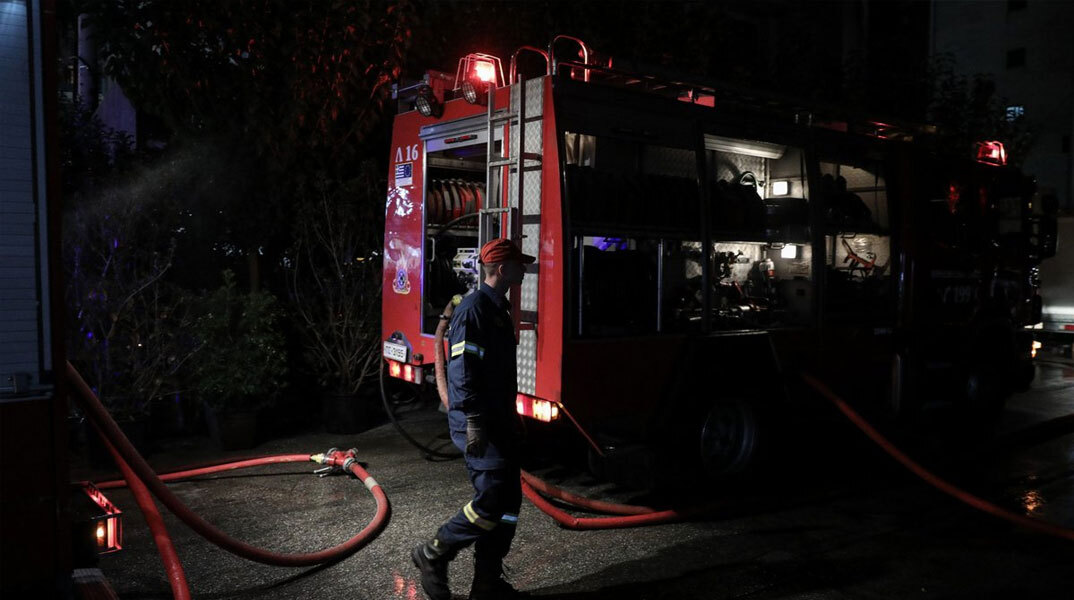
<point x="857" y="239"/>
<point x="761" y="271"/>
<point x="631" y="204"/>
<point x="1016" y="58"/>
<point x="617" y="291"/>
<point x="1015" y="112"/>
<point x="454" y="190"/>
<point x="624" y="184"/>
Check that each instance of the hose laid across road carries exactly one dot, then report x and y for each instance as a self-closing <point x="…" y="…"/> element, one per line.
<point x="173" y="567"/>
<point x="345" y="462"/>
<point x="930" y="477"/>
<point x="533" y="487"/>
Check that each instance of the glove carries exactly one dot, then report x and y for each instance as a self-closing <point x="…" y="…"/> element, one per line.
<point x="476" y="442"/>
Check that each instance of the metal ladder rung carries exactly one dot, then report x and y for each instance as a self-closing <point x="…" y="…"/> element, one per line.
<point x="513" y="118"/>
<point x="511" y="162"/>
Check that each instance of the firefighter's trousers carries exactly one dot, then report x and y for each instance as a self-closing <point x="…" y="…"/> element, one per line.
<point x="488" y="521"/>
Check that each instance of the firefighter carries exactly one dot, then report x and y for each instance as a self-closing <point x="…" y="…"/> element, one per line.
<point x="481" y="389"/>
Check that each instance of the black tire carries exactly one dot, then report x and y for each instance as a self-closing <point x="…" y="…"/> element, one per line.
<point x="1022" y="376"/>
<point x="728" y="438"/>
<point x="984" y="393"/>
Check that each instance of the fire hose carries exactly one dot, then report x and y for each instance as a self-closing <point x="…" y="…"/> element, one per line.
<point x="142" y="480"/>
<point x="638" y="516"/>
<point x="930" y="477"/>
<point x="633" y="516"/>
<point x="533" y="487"/>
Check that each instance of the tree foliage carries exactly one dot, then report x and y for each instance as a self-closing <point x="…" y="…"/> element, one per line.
<point x="286" y="89"/>
<point x="128" y="323"/>
<point x="334" y="281"/>
<point x="967" y="110"/>
<point x="283" y="77"/>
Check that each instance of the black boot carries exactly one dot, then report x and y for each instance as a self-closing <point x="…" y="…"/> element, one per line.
<point x="492" y="586"/>
<point x="432" y="560"/>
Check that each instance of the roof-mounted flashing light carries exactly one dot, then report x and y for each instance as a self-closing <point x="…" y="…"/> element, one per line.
<point x="991" y="153"/>
<point x="476" y="74"/>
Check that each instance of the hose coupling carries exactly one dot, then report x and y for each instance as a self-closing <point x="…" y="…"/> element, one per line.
<point x="347" y="466"/>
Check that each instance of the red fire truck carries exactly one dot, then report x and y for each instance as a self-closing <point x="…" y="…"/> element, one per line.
<point x="697" y="247"/>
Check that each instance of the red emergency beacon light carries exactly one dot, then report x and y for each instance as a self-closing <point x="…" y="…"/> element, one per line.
<point x="475" y="74"/>
<point x="991" y="153"/>
<point x="477" y="67"/>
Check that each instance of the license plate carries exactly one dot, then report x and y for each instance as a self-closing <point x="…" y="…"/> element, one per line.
<point x="395" y="351"/>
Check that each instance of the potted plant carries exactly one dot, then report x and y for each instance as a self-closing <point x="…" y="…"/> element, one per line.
<point x="335" y="282"/>
<point x="242" y="363"/>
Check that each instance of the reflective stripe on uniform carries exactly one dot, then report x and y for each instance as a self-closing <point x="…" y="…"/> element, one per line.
<point x="476" y="519"/>
<point x="464" y="347"/>
<point x="509" y="519"/>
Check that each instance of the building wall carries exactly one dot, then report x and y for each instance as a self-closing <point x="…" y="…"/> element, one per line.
<point x="23" y="334"/>
<point x="979" y="35"/>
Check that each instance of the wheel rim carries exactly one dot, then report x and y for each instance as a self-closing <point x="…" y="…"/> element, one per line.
<point x="728" y="438"/>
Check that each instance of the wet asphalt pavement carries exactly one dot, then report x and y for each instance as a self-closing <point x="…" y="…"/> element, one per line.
<point x="833" y="518"/>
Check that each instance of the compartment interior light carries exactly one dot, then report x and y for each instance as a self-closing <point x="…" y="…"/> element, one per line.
<point x="747" y="147"/>
<point x="789" y="251"/>
<point x="781" y="188"/>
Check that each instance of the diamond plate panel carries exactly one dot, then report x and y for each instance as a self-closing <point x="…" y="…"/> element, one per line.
<point x="527" y="362"/>
<point x="531" y="199"/>
<point x="531" y="244"/>
<point x="531" y="240"/>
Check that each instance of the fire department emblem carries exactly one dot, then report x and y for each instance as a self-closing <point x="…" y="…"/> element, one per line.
<point x="401" y="284"/>
<point x="404" y="258"/>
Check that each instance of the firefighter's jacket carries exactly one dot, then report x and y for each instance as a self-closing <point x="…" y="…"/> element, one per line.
<point x="482" y="378"/>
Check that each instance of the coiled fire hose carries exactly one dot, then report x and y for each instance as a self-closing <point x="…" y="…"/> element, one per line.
<point x="142" y="480"/>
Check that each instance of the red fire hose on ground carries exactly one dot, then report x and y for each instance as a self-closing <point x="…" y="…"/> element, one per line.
<point x="140" y="477"/>
<point x="930" y="477"/>
<point x="533" y="487"/>
<point x="536" y="489"/>
<point x="633" y="516"/>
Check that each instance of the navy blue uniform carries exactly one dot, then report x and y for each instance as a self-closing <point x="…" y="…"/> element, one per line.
<point x="481" y="376"/>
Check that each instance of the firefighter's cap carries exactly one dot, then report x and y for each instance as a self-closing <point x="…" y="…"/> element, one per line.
<point x="502" y="250"/>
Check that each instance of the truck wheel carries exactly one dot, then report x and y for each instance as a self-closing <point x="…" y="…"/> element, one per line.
<point x="728" y="441"/>
<point x="903" y="401"/>
<point x="1022" y="375"/>
<point x="985" y="393"/>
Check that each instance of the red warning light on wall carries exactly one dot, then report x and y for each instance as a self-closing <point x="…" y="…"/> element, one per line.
<point x="991" y="153"/>
<point x="107" y="524"/>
